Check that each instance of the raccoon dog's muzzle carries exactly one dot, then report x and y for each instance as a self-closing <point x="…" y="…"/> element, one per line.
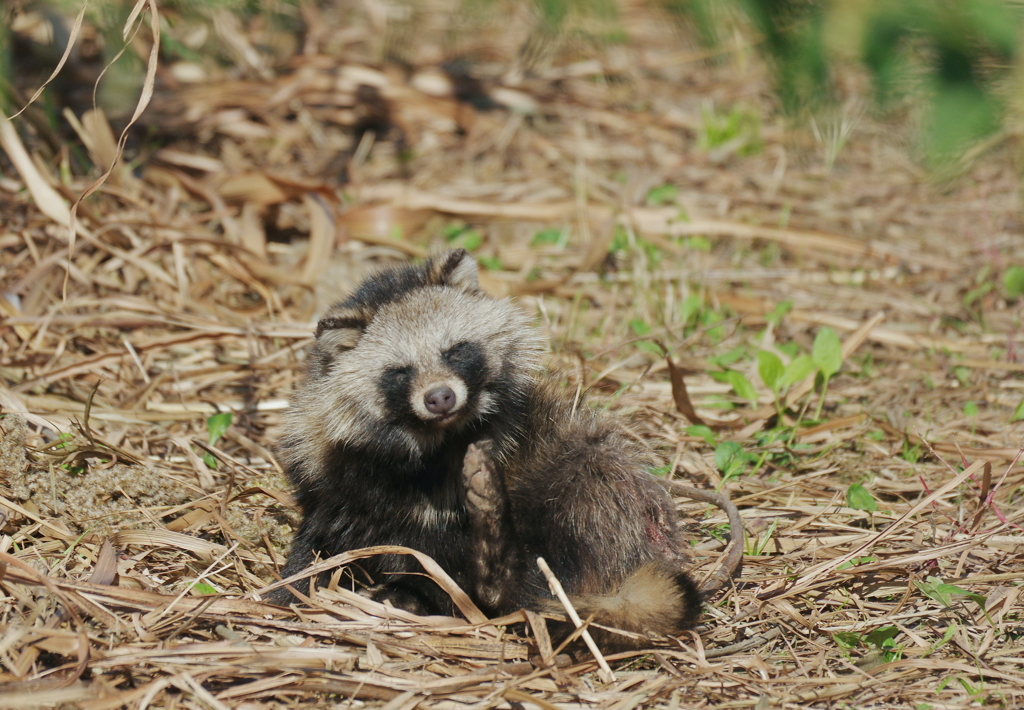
<point x="440" y="400"/>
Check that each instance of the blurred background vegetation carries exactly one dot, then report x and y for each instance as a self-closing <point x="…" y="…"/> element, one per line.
<point x="951" y="68"/>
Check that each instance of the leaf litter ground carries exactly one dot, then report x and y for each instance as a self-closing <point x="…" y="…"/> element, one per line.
<point x="640" y="196"/>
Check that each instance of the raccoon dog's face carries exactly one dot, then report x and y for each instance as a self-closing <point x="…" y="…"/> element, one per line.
<point x="416" y="354"/>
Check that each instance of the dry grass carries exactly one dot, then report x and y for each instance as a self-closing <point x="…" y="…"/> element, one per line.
<point x="132" y="545"/>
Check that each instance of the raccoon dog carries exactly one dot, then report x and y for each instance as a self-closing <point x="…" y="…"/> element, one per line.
<point x="424" y="421"/>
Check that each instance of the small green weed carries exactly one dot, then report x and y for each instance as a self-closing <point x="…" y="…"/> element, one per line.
<point x="859" y="498"/>
<point x="1013" y="282"/>
<point x="739" y="383"/>
<point x="216" y="426"/>
<point x="827" y="355"/>
<point x="703" y="432"/>
<point x="462" y="235"/>
<point x="882" y="641"/>
<point x="946" y="594"/>
<point x="662" y="195"/>
<point x="552" y="237"/>
<point x="911" y="454"/>
<point x="756" y="546"/>
<point x="736" y="131"/>
<point x="490" y="263"/>
<point x="857" y="561"/>
<point x="732" y="459"/>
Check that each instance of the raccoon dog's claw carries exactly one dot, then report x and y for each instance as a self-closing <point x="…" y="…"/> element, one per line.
<point x="484" y="497"/>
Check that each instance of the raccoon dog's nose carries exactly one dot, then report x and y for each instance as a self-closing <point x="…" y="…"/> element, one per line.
<point x="440" y="400"/>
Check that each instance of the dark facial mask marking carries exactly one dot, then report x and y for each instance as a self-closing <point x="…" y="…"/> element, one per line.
<point x="466" y="359"/>
<point x="395" y="384"/>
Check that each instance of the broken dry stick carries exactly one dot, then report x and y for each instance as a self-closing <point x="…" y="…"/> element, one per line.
<point x="556" y="588"/>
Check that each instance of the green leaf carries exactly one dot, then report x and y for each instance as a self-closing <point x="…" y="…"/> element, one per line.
<point x="650" y="347"/>
<point x="217" y="425"/>
<point x="949" y="633"/>
<point x="703" y="432"/>
<point x="741" y="385"/>
<point x="730" y="458"/>
<point x="790" y="350"/>
<point x="1013" y="281"/>
<point x="620" y="240"/>
<point x="846" y="640"/>
<point x="770" y="368"/>
<point x="209" y="459"/>
<point x="689" y="309"/>
<point x="491" y="263"/>
<point x="827" y="352"/>
<point x="470" y="240"/>
<point x="639" y="327"/>
<point x="450" y="231"/>
<point x="911" y="454"/>
<point x="963" y="375"/>
<point x="729" y="357"/>
<point x="662" y="195"/>
<point x="798" y="369"/>
<point x="698" y="242"/>
<point x="881" y="635"/>
<point x="204" y="588"/>
<point x="550" y="237"/>
<point x="779" y="312"/>
<point x="945" y="594"/>
<point x="859" y="498"/>
<point x="975" y="293"/>
<point x="1018" y="413"/>
<point x="970" y="409"/>
<point x="856" y="561"/>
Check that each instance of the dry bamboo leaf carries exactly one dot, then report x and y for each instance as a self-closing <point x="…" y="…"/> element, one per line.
<point x="385" y="225"/>
<point x="321" y="238"/>
<point x="45" y="197"/>
<point x="105" y="571"/>
<point x="461" y="599"/>
<point x="255" y="188"/>
<point x="8" y="309"/>
<point x="95" y="133"/>
<point x="254" y="237"/>
<point x="11" y="699"/>
<point x="189" y="160"/>
<point x="680" y="396"/>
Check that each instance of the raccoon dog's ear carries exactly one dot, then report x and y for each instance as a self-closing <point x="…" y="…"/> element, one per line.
<point x="454" y="268"/>
<point x="340" y="329"/>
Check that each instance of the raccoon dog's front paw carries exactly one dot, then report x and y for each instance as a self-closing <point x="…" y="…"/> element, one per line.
<point x="494" y="547"/>
<point x="484" y="496"/>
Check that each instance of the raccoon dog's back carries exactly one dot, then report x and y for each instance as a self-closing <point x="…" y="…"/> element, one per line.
<point x="424" y="421"/>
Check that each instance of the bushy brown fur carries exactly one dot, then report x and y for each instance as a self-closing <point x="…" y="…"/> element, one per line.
<point x="424" y="422"/>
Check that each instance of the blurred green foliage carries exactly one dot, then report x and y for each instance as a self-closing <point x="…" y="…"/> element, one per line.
<point x="957" y="55"/>
<point x="958" y="58"/>
<point x="5" y="57"/>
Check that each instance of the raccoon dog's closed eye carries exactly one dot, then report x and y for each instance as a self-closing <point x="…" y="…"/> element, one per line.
<point x="398" y="373"/>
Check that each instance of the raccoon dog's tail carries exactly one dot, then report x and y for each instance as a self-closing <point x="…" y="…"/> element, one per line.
<point x="655" y="600"/>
